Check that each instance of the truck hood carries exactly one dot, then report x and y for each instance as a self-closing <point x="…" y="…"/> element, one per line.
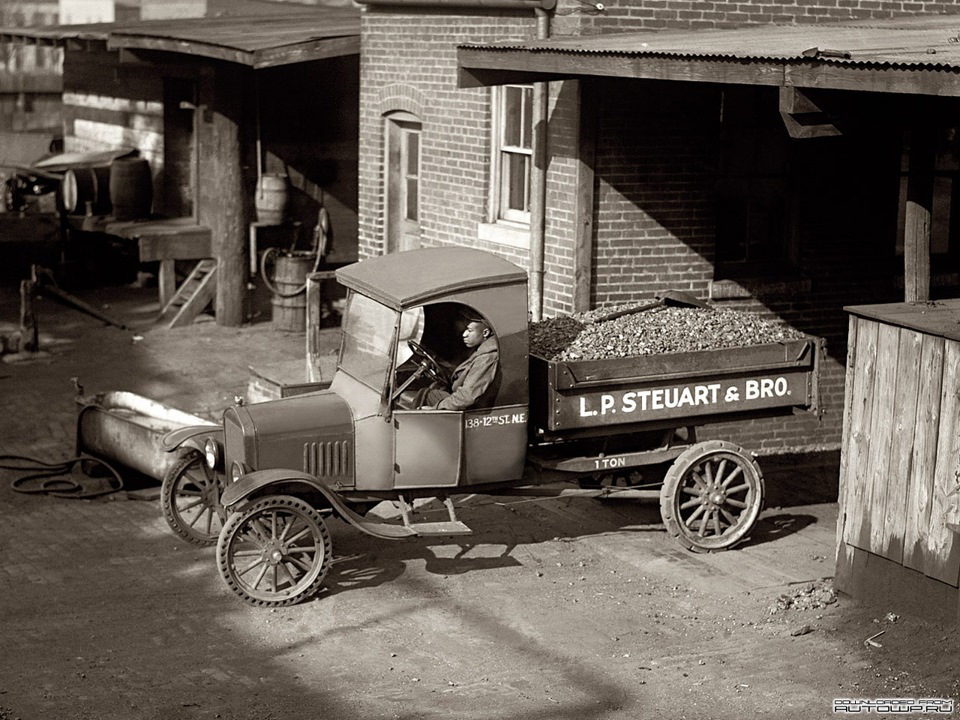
<point x="290" y="433"/>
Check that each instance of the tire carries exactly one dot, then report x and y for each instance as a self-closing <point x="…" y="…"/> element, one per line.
<point x="274" y="551"/>
<point x="190" y="498"/>
<point x="712" y="496"/>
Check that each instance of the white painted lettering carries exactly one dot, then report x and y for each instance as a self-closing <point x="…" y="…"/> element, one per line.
<point x="583" y="409"/>
<point x="606" y="403"/>
<point x="629" y="402"/>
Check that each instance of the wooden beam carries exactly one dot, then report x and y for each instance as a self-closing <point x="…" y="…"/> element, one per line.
<point x="802" y="117"/>
<point x="916" y="240"/>
<point x="305" y="52"/>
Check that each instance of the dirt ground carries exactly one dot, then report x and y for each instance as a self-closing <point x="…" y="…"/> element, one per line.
<point x="554" y="609"/>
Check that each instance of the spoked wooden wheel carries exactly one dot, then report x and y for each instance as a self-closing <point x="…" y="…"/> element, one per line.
<point x="274" y="551"/>
<point x="712" y="496"/>
<point x="190" y="498"/>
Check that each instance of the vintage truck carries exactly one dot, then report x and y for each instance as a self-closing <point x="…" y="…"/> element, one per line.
<point x="287" y="465"/>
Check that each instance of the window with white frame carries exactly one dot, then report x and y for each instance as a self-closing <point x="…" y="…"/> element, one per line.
<point x="512" y="153"/>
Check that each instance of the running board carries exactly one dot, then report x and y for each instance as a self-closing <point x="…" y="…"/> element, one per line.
<point x="447" y="528"/>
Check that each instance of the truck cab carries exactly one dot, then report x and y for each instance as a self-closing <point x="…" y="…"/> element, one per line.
<point x="402" y="332"/>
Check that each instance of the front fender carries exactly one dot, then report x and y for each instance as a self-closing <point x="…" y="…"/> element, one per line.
<point x="190" y="436"/>
<point x="255" y="481"/>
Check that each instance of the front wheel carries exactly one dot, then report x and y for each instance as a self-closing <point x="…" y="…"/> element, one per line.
<point x="190" y="499"/>
<point x="712" y="496"/>
<point x="274" y="551"/>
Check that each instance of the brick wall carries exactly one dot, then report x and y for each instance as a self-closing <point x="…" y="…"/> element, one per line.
<point x="408" y="63"/>
<point x="626" y="15"/>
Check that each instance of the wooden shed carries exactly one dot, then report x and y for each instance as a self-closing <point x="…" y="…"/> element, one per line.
<point x="899" y="516"/>
<point x="214" y="104"/>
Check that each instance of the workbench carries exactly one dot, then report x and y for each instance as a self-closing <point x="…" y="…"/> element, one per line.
<point x="165" y="240"/>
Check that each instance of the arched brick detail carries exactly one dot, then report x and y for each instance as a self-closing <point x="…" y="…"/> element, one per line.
<point x="401" y="97"/>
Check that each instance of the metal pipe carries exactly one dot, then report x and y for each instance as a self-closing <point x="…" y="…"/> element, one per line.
<point x="502" y="4"/>
<point x="538" y="181"/>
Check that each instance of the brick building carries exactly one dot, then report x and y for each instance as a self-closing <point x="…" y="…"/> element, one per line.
<point x="657" y="174"/>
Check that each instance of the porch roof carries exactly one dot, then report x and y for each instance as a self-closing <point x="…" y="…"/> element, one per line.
<point x="258" y="41"/>
<point x="914" y="55"/>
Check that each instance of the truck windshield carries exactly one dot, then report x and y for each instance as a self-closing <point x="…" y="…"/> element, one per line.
<point x="367" y="334"/>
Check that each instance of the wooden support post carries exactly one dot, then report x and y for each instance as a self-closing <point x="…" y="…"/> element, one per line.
<point x="583" y="230"/>
<point x="916" y="240"/>
<point x="224" y="209"/>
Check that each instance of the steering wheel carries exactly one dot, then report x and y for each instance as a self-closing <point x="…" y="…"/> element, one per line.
<point x="428" y="363"/>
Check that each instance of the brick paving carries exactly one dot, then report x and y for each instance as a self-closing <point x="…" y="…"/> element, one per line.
<point x="106" y="614"/>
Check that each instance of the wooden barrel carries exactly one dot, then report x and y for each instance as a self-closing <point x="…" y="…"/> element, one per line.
<point x="272" y="196"/>
<point x="289" y="291"/>
<point x="85" y="185"/>
<point x="131" y="188"/>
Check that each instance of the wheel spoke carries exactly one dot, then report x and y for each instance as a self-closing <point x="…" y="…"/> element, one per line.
<point x="736" y="503"/>
<point x="250" y="567"/>
<point x="716" y="523"/>
<point x="258" y="528"/>
<point x="690" y="503"/>
<point x="302" y="564"/>
<point x="263" y="572"/>
<point x="196" y="519"/>
<point x="246" y="553"/>
<point x="708" y="471"/>
<point x="183" y="492"/>
<point x="695" y="514"/>
<point x="695" y="476"/>
<point x="189" y="506"/>
<point x="730" y="518"/>
<point x="733" y="476"/>
<point x="739" y="488"/>
<point x="717" y="478"/>
<point x="302" y="533"/>
<point x="702" y="532"/>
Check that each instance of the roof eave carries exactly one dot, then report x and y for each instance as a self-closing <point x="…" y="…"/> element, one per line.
<point x="479" y="67"/>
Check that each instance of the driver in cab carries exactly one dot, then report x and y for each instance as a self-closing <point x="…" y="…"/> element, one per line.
<point x="471" y="378"/>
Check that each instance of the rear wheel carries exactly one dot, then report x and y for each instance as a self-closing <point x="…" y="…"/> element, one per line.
<point x="190" y="499"/>
<point x="712" y="496"/>
<point x="274" y="551"/>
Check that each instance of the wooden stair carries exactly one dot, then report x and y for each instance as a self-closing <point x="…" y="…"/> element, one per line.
<point x="193" y="295"/>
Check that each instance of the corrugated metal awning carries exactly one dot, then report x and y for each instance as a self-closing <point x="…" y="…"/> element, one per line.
<point x="919" y="55"/>
<point x="258" y="41"/>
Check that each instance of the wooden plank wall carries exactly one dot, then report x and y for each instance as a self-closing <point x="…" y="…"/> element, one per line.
<point x="900" y="463"/>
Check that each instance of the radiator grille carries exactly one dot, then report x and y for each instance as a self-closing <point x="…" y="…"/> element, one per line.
<point x="327" y="459"/>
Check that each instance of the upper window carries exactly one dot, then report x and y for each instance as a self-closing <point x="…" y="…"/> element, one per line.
<point x="512" y="152"/>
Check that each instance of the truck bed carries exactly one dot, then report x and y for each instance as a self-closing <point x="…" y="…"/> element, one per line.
<point x="676" y="389"/>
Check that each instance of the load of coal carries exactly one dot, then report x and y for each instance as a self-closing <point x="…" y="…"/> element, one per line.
<point x="585" y="336"/>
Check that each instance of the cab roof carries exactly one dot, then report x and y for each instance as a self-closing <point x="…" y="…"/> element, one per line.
<point x="414" y="277"/>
